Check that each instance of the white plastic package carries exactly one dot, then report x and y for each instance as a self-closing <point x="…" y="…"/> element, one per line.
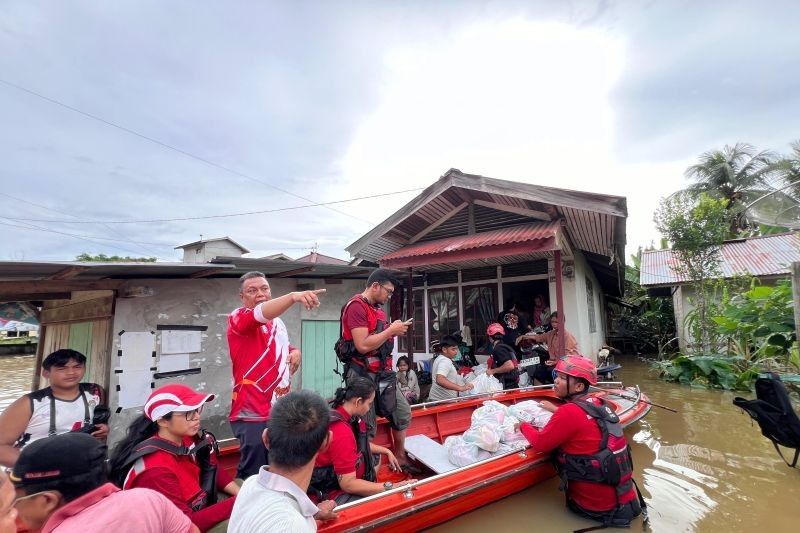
<point x="462" y="453"/>
<point x="530" y="411"/>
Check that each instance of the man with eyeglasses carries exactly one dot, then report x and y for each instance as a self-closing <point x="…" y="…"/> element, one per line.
<point x="262" y="361"/>
<point x="61" y="487"/>
<point x="367" y="343"/>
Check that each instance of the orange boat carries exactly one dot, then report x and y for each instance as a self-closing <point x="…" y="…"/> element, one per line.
<point x="442" y="493"/>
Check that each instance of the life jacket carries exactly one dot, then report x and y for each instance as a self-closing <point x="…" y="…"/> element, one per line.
<point x="509" y="379"/>
<point x="345" y="348"/>
<point x="775" y="415"/>
<point x="323" y="478"/>
<point x="610" y="465"/>
<point x="204" y="452"/>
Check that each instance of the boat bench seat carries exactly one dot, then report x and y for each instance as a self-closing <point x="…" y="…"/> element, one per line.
<point x="430" y="453"/>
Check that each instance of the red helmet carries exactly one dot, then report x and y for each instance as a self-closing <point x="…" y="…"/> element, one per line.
<point x="495" y="328"/>
<point x="578" y="366"/>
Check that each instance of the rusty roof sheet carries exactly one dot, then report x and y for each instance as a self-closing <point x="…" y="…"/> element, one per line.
<point x="516" y="234"/>
<point x="768" y="255"/>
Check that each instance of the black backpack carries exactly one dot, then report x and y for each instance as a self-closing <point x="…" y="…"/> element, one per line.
<point x="773" y="411"/>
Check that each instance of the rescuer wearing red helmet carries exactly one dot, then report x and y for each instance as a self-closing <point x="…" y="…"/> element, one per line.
<point x="502" y="362"/>
<point x="592" y="455"/>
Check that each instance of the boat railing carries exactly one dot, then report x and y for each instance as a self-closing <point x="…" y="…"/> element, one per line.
<point x="495" y="394"/>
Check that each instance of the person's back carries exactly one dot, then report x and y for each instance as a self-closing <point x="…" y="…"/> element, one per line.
<point x="269" y="503"/>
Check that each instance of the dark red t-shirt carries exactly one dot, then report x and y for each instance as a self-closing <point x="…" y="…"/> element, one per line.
<point x="361" y="314"/>
<point x="343" y="451"/>
<point x="575" y="432"/>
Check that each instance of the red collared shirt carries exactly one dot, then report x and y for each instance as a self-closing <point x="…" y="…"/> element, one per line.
<point x="107" y="508"/>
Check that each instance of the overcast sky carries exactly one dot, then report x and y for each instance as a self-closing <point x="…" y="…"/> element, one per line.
<point x="309" y="102"/>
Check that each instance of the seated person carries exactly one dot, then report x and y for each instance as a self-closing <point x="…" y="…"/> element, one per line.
<point x="407" y="380"/>
<point x="345" y="472"/>
<point x="544" y="371"/>
<point x="502" y="362"/>
<point x="66" y="405"/>
<point x="166" y="450"/>
<point x="275" y="498"/>
<point x="61" y="487"/>
<point x="444" y="376"/>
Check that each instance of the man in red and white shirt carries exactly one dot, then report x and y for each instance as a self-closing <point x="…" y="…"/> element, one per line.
<point x="262" y="361"/>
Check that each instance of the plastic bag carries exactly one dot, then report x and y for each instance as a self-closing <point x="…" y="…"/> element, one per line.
<point x="462" y="453"/>
<point x="524" y="379"/>
<point x="492" y="413"/>
<point x="530" y="411"/>
<point x="483" y="384"/>
<point x="484" y="436"/>
<point x="480" y="369"/>
<point x="507" y="433"/>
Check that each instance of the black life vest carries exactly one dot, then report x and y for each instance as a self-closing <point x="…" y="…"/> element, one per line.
<point x="323" y="478"/>
<point x="610" y="465"/>
<point x="205" y="453"/>
<point x="775" y="415"/>
<point x="510" y="379"/>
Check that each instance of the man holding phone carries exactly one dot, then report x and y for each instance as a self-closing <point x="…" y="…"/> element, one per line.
<point x="371" y="341"/>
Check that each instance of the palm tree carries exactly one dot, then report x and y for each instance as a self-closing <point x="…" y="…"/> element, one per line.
<point x="780" y="204"/>
<point x="734" y="173"/>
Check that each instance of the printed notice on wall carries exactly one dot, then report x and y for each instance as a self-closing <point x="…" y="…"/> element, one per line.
<point x="134" y="387"/>
<point x="173" y="362"/>
<point x="136" y="349"/>
<point x="179" y="341"/>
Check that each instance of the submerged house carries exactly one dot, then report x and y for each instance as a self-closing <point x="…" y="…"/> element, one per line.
<point x="768" y="258"/>
<point x="468" y="245"/>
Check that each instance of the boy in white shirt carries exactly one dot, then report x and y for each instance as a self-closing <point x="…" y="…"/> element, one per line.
<point x="444" y="376"/>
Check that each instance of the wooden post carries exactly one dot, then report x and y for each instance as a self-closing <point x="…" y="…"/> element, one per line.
<point x="796" y="296"/>
<point x="410" y="313"/>
<point x="560" y="302"/>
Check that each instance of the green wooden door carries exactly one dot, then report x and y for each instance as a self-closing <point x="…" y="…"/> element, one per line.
<point x="319" y="359"/>
<point x="80" y="339"/>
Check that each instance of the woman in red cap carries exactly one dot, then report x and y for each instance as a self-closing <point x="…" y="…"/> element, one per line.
<point x="592" y="455"/>
<point x="166" y="450"/>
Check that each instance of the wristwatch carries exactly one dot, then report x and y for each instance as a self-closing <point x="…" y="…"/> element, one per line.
<point x="388" y="485"/>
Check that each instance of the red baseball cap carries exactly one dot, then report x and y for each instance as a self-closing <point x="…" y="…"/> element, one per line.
<point x="173" y="398"/>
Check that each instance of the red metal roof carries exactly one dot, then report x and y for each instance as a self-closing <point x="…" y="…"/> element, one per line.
<point x="768" y="255"/>
<point x="507" y="241"/>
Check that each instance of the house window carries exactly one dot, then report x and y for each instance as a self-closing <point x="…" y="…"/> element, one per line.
<point x="442" y="312"/>
<point x="590" y="305"/>
<point x="417" y="327"/>
<point x="480" y="310"/>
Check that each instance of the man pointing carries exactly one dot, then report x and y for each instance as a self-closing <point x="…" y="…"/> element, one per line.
<point x="263" y="362"/>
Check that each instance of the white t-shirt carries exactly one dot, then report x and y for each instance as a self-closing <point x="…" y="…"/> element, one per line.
<point x="70" y="415"/>
<point x="269" y="502"/>
<point x="442" y="366"/>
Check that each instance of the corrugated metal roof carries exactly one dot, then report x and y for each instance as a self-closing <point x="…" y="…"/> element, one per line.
<point x="769" y="255"/>
<point x="516" y="234"/>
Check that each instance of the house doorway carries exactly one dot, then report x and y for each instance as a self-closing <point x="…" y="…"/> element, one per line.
<point x="523" y="294"/>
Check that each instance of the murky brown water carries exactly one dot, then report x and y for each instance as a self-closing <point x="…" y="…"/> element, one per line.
<point x="16" y="376"/>
<point x="705" y="469"/>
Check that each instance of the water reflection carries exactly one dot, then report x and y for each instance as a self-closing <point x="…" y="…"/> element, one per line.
<point x="704" y="469"/>
<point x="17" y="375"/>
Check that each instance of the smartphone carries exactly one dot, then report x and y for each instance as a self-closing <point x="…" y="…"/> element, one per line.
<point x="409" y="321"/>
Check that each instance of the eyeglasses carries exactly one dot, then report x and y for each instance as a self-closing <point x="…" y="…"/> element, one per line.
<point x="388" y="290"/>
<point x="252" y="291"/>
<point x="191" y="416"/>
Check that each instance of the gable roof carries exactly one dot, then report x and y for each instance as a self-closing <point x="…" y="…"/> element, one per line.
<point x="206" y="241"/>
<point x="767" y="255"/>
<point x="315" y="257"/>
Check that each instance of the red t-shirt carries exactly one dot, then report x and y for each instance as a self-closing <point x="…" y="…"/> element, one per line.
<point x="342" y="452"/>
<point x="573" y="431"/>
<point x="259" y="350"/>
<point x="361" y="314"/>
<point x="178" y="478"/>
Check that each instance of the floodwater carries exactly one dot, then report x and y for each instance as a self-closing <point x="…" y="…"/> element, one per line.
<point x="705" y="469"/>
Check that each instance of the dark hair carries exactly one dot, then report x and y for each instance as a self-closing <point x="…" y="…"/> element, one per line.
<point x="62" y="357"/>
<point x="448" y="340"/>
<point x="358" y="387"/>
<point x="381" y="276"/>
<point x="554" y="314"/>
<point x="298" y="424"/>
<point x="141" y="428"/>
<point x="250" y="275"/>
<point x="403" y="359"/>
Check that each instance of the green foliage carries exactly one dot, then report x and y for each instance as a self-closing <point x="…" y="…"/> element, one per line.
<point x="711" y="371"/>
<point x="103" y="258"/>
